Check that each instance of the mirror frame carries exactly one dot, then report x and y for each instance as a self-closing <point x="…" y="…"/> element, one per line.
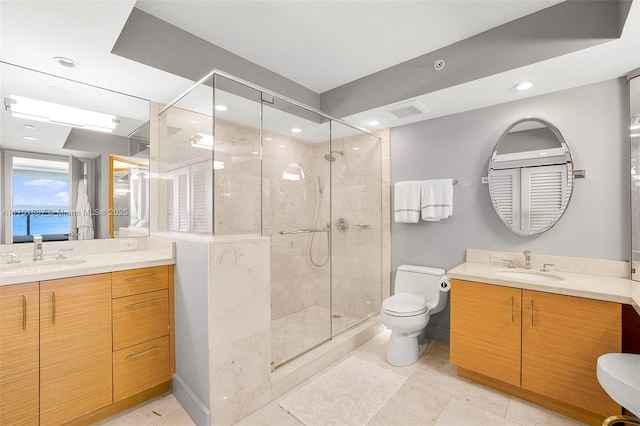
<point x="570" y="172"/>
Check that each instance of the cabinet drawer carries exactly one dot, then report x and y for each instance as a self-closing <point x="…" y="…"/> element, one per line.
<point x="140" y="318"/>
<point x="140" y="367"/>
<point x="126" y="283"/>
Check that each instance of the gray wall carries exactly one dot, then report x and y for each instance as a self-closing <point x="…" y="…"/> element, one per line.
<point x="592" y="119"/>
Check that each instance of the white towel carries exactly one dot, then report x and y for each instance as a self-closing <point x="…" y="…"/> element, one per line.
<point x="436" y="199"/>
<point x="406" y="202"/>
<point x="83" y="211"/>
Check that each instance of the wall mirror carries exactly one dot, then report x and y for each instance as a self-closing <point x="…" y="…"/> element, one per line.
<point x="56" y="138"/>
<point x="530" y="176"/>
<point x="634" y="133"/>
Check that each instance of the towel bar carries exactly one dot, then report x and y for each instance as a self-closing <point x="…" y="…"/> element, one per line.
<point x="301" y="231"/>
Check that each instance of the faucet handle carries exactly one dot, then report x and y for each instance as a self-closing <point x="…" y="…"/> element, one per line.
<point x="544" y="267"/>
<point x="527" y="252"/>
<point x="13" y="259"/>
<point x="61" y="255"/>
<point x="37" y="238"/>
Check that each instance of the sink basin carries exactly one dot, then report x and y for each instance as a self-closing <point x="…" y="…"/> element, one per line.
<point x="44" y="265"/>
<point x="619" y="376"/>
<point x="541" y="277"/>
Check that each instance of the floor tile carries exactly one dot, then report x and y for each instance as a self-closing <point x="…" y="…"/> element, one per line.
<point x="460" y="412"/>
<point x="269" y="415"/>
<point x="528" y="414"/>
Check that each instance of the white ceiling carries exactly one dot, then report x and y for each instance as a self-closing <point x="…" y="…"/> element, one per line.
<point x="319" y="44"/>
<point x="325" y="44"/>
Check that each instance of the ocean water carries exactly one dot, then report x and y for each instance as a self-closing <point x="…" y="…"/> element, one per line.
<point x="42" y="221"/>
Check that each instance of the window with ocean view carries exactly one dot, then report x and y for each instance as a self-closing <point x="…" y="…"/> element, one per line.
<point x="40" y="199"/>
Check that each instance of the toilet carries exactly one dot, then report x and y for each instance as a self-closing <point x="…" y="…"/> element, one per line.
<point x="420" y="291"/>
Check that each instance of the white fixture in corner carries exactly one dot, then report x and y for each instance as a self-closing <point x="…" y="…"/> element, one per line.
<point x="49" y="112"/>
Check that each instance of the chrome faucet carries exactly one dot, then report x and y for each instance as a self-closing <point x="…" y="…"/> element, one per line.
<point x="37" y="247"/>
<point x="527" y="259"/>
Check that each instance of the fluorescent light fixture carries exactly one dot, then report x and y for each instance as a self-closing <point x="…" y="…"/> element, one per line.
<point x="525" y="85"/>
<point x="202" y="140"/>
<point x="296" y="130"/>
<point x="374" y="123"/>
<point x="48" y="112"/>
<point x="222" y="107"/>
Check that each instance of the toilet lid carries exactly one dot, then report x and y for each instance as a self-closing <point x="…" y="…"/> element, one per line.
<point x="405" y="304"/>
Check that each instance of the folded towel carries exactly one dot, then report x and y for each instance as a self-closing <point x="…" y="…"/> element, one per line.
<point x="406" y="202"/>
<point x="437" y="199"/>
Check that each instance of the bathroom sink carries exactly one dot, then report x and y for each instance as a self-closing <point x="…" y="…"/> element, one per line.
<point x="39" y="266"/>
<point x="541" y="277"/>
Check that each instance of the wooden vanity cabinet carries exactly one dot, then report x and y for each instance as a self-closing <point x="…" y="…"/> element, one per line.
<point x="19" y="354"/>
<point x="79" y="349"/>
<point x="485" y="330"/>
<point x="75" y="347"/>
<point x="538" y="346"/>
<point x="142" y="318"/>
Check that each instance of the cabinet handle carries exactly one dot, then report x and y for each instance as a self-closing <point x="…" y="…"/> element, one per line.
<point x="141" y="277"/>
<point x="53" y="307"/>
<point x="155" y="348"/>
<point x="24" y="312"/>
<point x="511" y="315"/>
<point x="131" y="305"/>
<point x="531" y="316"/>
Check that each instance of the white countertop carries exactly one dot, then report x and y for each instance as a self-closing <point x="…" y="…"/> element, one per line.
<point x="597" y="287"/>
<point x="93" y="264"/>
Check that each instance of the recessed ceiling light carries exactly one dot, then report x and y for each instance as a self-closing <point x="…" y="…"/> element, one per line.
<point x="374" y="123"/>
<point x="525" y="85"/>
<point x="66" y="62"/>
<point x="30" y="138"/>
<point x="296" y="130"/>
<point x="222" y="107"/>
<point x="29" y="126"/>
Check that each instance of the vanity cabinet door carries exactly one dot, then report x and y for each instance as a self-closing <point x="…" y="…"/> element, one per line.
<point x="19" y="354"/>
<point x="562" y="338"/>
<point x="75" y="347"/>
<point x="485" y="329"/>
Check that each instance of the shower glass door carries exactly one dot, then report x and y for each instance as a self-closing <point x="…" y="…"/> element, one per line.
<point x="356" y="210"/>
<point x="295" y="213"/>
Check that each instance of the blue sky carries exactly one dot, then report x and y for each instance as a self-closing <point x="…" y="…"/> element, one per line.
<point x="30" y="192"/>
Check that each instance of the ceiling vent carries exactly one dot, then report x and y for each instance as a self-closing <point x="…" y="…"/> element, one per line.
<point x="407" y="109"/>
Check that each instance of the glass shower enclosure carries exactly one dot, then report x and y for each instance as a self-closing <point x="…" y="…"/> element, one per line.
<point x="235" y="159"/>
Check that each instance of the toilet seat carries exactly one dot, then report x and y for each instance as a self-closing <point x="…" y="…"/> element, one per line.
<point x="405" y="305"/>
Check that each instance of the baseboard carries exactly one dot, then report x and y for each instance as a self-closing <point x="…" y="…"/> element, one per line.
<point x="197" y="410"/>
<point x="440" y="334"/>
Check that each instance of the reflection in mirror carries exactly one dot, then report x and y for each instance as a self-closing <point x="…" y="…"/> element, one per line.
<point x="56" y="136"/>
<point x="634" y="131"/>
<point x="129" y="199"/>
<point x="530" y="176"/>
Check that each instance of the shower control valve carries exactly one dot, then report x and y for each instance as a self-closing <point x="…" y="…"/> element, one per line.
<point x="342" y="225"/>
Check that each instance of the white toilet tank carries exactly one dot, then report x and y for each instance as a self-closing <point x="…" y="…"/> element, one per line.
<point x="423" y="281"/>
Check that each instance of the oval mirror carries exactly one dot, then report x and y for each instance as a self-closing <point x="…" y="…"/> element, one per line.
<point x="530" y="176"/>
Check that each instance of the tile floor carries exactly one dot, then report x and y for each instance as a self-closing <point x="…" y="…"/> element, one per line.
<point x="432" y="395"/>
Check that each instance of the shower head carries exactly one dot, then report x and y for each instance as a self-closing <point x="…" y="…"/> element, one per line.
<point x="331" y="158"/>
